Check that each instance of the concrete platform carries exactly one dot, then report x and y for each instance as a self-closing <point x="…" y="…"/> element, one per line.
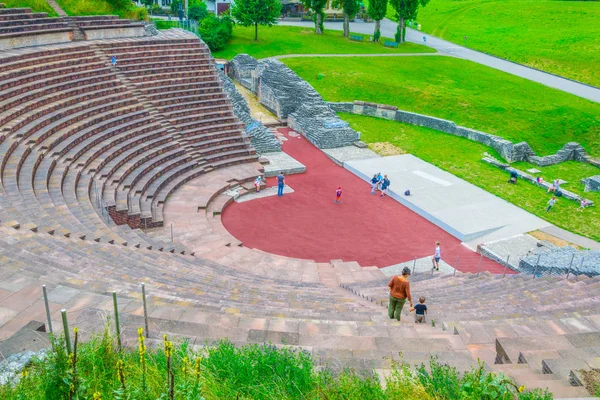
<point x="341" y="155"/>
<point x="419" y="266"/>
<point x="465" y="211"/>
<point x="281" y="161"/>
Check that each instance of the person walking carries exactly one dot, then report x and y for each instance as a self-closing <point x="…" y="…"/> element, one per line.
<point x="374" y="182"/>
<point x="280" y="184"/>
<point x="385" y="184"/>
<point x="113" y="61"/>
<point x="551" y="203"/>
<point x="399" y="293"/>
<point x="437" y="256"/>
<point x="379" y="180"/>
<point x="338" y="195"/>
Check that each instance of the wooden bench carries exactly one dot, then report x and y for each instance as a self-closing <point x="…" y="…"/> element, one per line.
<point x="390" y="44"/>
<point x="356" y="38"/>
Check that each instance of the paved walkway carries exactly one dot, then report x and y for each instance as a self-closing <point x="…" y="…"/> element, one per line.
<point x="357" y="55"/>
<point x="388" y="28"/>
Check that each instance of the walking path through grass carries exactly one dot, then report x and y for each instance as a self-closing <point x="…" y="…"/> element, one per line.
<point x="354" y="55"/>
<point x="388" y="29"/>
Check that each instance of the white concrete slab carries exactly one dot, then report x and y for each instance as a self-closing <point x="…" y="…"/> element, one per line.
<point x="266" y="192"/>
<point x="419" y="266"/>
<point x="465" y="211"/>
<point x="281" y="161"/>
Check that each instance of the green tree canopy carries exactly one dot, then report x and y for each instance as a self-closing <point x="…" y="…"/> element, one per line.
<point x="405" y="9"/>
<point x="197" y="10"/>
<point x="256" y="12"/>
<point x="377" y="10"/>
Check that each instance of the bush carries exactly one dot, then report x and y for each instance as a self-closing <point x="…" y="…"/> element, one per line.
<point x="198" y="11"/>
<point x="216" y="31"/>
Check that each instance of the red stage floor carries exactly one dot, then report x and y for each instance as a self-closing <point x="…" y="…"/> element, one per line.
<point x="365" y="228"/>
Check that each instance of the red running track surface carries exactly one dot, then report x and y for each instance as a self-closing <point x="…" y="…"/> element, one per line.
<point x="308" y="224"/>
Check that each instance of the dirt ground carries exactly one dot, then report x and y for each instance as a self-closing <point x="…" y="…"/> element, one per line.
<point x="386" y="149"/>
<point x="552" y="239"/>
<point x="592" y="381"/>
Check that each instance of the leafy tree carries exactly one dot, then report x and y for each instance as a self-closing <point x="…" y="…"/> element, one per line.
<point x="148" y="3"/>
<point x="197" y="11"/>
<point x="377" y="10"/>
<point x="175" y="7"/>
<point x="256" y="12"/>
<point x="216" y="31"/>
<point x="317" y="7"/>
<point x="350" y="9"/>
<point x="405" y="9"/>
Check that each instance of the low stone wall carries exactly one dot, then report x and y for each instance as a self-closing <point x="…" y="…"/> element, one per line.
<point x="114" y="33"/>
<point x="532" y="179"/>
<point x="511" y="152"/>
<point x="288" y="96"/>
<point x="262" y="138"/>
<point x="559" y="262"/>
<point x="40" y="39"/>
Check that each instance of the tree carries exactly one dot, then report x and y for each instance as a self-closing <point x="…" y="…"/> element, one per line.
<point x="377" y="10"/>
<point x="317" y="7"/>
<point x="216" y="31"/>
<point x="349" y="8"/>
<point x="256" y="12"/>
<point x="197" y="11"/>
<point x="405" y="9"/>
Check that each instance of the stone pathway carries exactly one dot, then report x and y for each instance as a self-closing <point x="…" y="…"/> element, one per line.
<point x="57" y="8"/>
<point x="257" y="110"/>
<point x="388" y="28"/>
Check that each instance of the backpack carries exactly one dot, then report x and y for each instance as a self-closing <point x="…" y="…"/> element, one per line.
<point x="559" y="193"/>
<point x="407" y="193"/>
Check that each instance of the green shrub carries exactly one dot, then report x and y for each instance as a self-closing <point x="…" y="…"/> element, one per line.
<point x="216" y="31"/>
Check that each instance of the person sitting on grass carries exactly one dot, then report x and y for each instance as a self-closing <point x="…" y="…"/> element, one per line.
<point x="399" y="292"/>
<point x="513" y="177"/>
<point x="420" y="311"/>
<point x="555" y="186"/>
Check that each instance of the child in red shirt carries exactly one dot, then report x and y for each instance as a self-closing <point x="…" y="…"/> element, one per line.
<point x="338" y="194"/>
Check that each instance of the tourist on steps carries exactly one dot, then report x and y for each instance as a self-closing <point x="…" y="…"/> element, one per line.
<point x="420" y="311"/>
<point x="280" y="184"/>
<point x="399" y="292"/>
<point x="436" y="257"/>
<point x="257" y="183"/>
<point x="374" y="183"/>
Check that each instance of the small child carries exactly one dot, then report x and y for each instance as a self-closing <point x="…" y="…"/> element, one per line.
<point x="113" y="61"/>
<point x="420" y="311"/>
<point x="257" y="183"/>
<point x="338" y="194"/>
<point x="374" y="182"/>
<point x="539" y="180"/>
<point x="551" y="203"/>
<point x="583" y="204"/>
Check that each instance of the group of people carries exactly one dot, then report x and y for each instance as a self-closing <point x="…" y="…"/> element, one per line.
<point x="381" y="183"/>
<point x="400" y="291"/>
<point x="554" y="189"/>
<point x="280" y="183"/>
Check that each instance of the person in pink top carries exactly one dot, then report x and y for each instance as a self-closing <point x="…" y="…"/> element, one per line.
<point x="338" y="195"/>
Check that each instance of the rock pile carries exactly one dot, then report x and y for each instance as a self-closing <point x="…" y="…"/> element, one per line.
<point x="289" y="97"/>
<point x="262" y="138"/>
<point x="558" y="262"/>
<point x="592" y="184"/>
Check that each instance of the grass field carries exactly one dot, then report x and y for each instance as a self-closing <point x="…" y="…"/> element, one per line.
<point x="462" y="158"/>
<point x="35" y="5"/>
<point x="555" y="36"/>
<point x="469" y="94"/>
<point x="278" y="40"/>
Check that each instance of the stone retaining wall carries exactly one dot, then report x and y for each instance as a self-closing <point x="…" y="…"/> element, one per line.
<point x="511" y="152"/>
<point x="288" y="96"/>
<point x="114" y="33"/>
<point x="38" y="39"/>
<point x="592" y="184"/>
<point x="262" y="138"/>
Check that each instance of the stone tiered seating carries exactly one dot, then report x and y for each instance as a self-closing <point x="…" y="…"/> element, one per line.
<point x="541" y="331"/>
<point x="22" y="22"/>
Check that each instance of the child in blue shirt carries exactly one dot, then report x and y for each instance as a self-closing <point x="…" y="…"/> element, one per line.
<point x="385" y="184"/>
<point x="374" y="182"/>
<point x="420" y="311"/>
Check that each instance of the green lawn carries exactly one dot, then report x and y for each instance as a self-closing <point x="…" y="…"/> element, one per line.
<point x="462" y="158"/>
<point x="35" y="5"/>
<point x="468" y="93"/>
<point x="279" y="40"/>
<point x="556" y="36"/>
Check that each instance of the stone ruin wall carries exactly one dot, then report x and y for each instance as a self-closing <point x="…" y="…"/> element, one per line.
<point x="511" y="152"/>
<point x="261" y="138"/>
<point x="288" y="96"/>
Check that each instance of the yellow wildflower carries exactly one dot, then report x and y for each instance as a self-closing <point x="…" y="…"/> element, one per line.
<point x="521" y="389"/>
